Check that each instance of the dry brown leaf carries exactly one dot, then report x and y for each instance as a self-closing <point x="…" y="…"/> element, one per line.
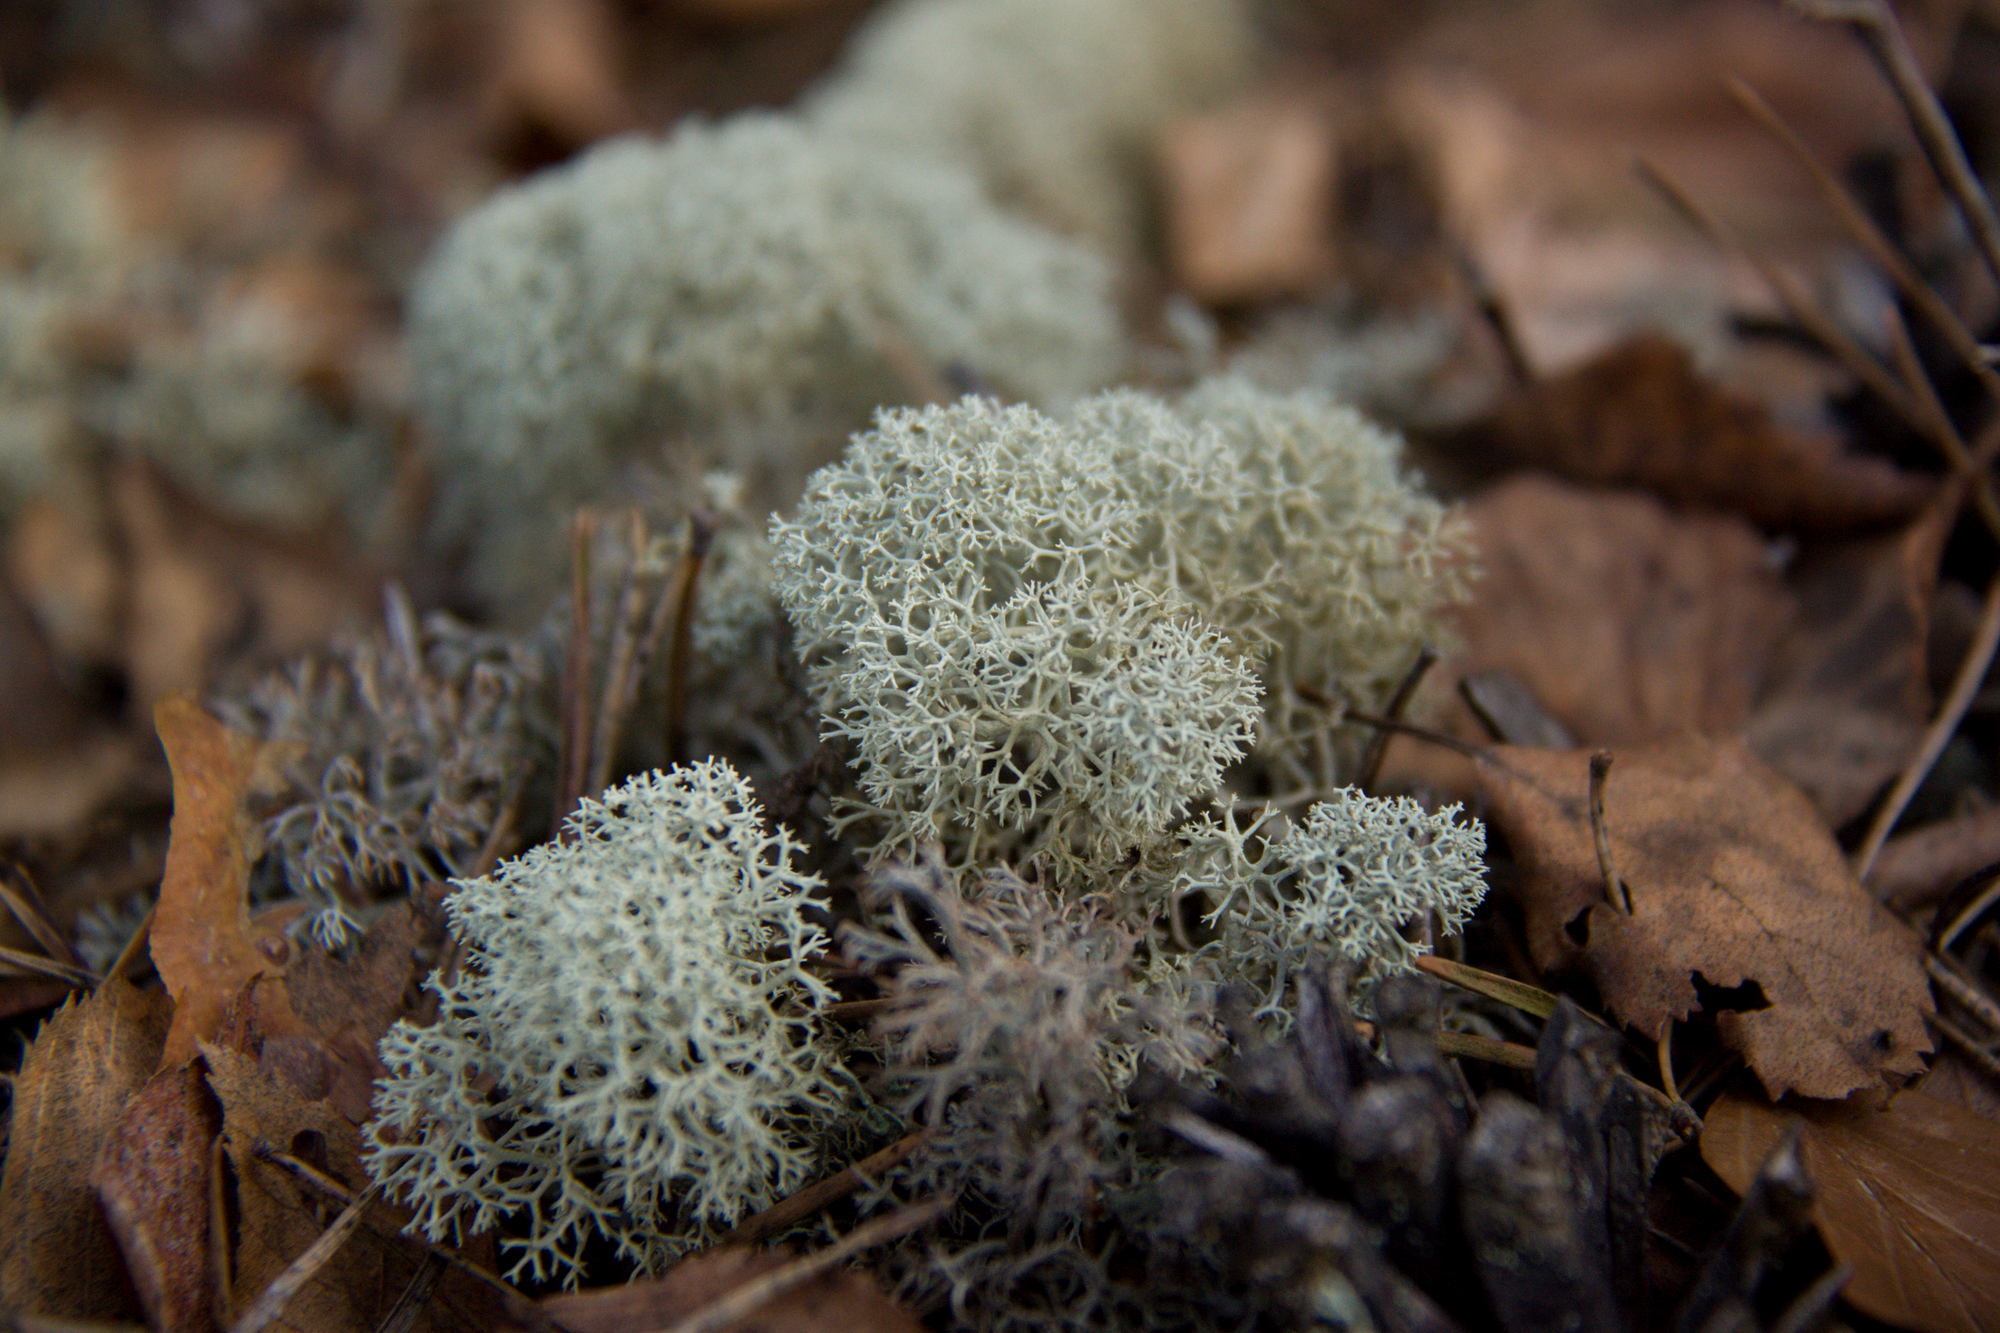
<point x="1909" y="1194"/>
<point x="280" y="1218"/>
<point x="1735" y="880"/>
<point x="82" y="1066"/>
<point x="347" y="1002"/>
<point x="153" y="1178"/>
<point x="204" y="942"/>
<point x="843" y="1299"/>
<point x="1639" y="415"/>
<point x="1846" y="698"/>
<point x="1922" y="865"/>
<point x="1625" y="621"/>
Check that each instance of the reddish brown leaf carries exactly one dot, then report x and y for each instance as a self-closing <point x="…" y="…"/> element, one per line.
<point x="153" y="1179"/>
<point x="1639" y="415"/>
<point x="204" y="943"/>
<point x="1625" y="621"/>
<point x="83" y="1065"/>
<point x="1846" y="699"/>
<point x="1735" y="880"/>
<point x="1909" y="1194"/>
<point x="280" y="1218"/>
<point x="349" y="1000"/>
<point x="843" y="1299"/>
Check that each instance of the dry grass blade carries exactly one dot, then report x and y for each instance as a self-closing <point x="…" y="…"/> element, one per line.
<point x="1472" y="1046"/>
<point x="624" y="651"/>
<point x="1869" y="237"/>
<point x="265" y="1310"/>
<point x="1515" y="994"/>
<point x="1978" y="658"/>
<point x="1878" y="27"/>
<point x="13" y="962"/>
<point x="28" y="908"/>
<point x="789" y="1212"/>
<point x="1853" y="357"/>
<point x="761" y="1291"/>
<point x="572" y="766"/>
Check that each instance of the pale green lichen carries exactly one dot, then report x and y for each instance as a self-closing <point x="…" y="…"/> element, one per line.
<point x="1176" y="556"/>
<point x="749" y="284"/>
<point x="997" y="686"/>
<point x="1347" y="881"/>
<point x="627" y="1048"/>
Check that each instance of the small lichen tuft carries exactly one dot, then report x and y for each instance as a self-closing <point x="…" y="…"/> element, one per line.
<point x="628" y="1047"/>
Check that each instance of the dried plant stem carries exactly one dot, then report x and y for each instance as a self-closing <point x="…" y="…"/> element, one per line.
<point x="1959" y="924"/>
<point x="318" y="1180"/>
<point x="1870" y="238"/>
<point x="576" y="678"/>
<point x="265" y="1310"/>
<point x="1971" y="671"/>
<point x="1378" y="747"/>
<point x="701" y="531"/>
<point x="27" y="907"/>
<point x="1666" y="1054"/>
<point x="134" y="947"/>
<point x="1615" y="891"/>
<point x="1856" y="359"/>
<point x="619" y="683"/>
<point x="779" y="1282"/>
<point x="15" y="963"/>
<point x="1968" y="1045"/>
<point x="1963" y="989"/>
<point x="1472" y="1046"/>
<point x="1876" y="23"/>
<point x="1514" y="994"/>
<point x="789" y="1212"/>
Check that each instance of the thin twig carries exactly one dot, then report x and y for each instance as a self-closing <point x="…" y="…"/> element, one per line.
<point x="701" y="531"/>
<point x="760" y="1291"/>
<point x="1876" y="23"/>
<point x="264" y="1311"/>
<point x="1971" y="671"/>
<point x="1615" y="891"/>
<point x="1399" y="702"/>
<point x="796" y="1208"/>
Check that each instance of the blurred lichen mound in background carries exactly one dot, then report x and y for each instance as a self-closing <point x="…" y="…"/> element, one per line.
<point x="753" y="289"/>
<point x="1055" y="104"/>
